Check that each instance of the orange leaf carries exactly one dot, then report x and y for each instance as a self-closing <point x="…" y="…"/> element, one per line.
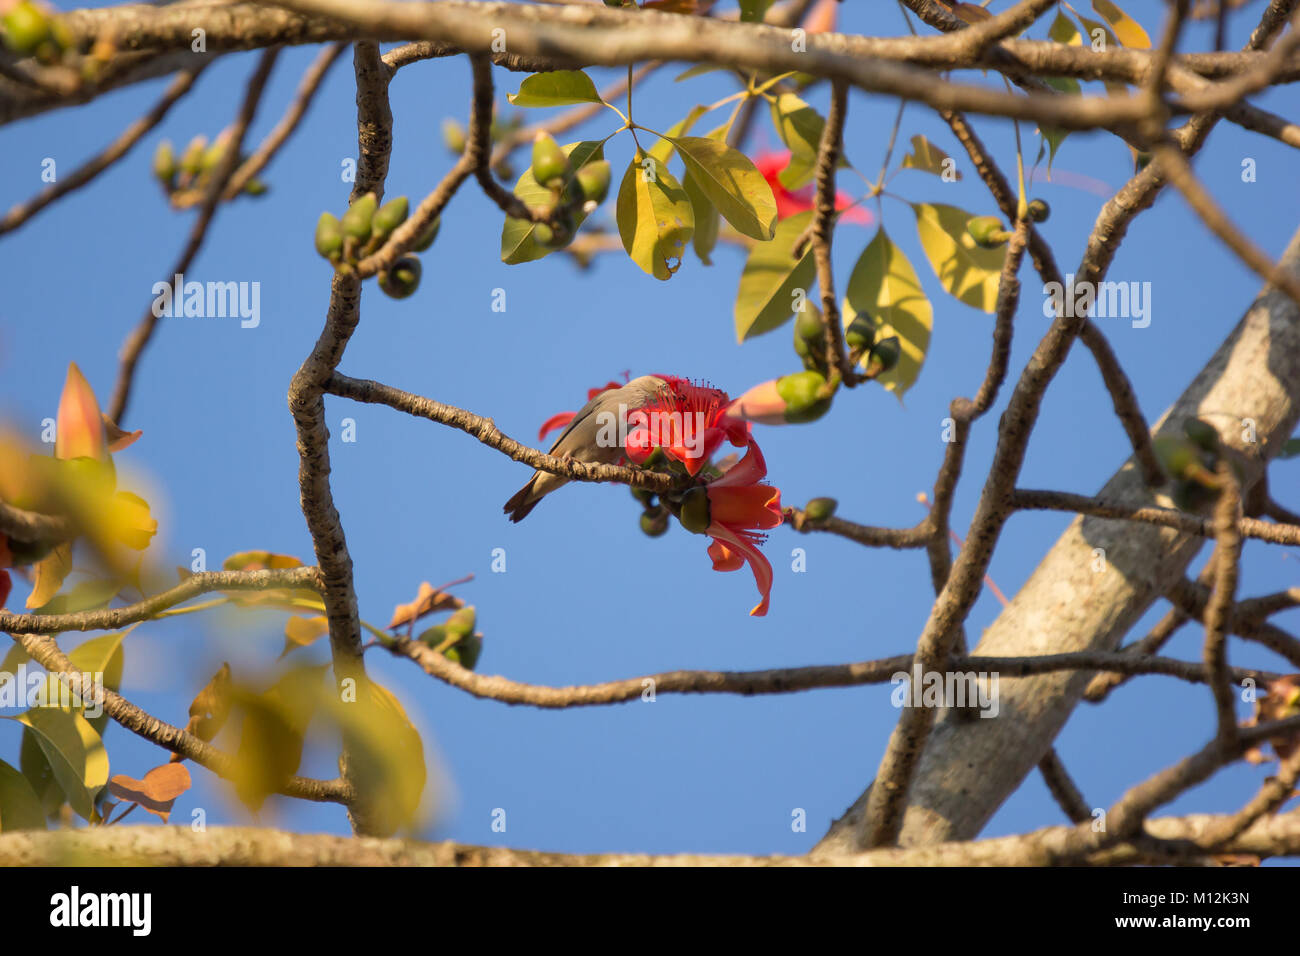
<point x="156" y="792"/>
<point x="427" y="600"/>
<point x="302" y="631"/>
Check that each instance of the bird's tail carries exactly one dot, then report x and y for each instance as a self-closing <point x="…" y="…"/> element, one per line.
<point x="525" y="499"/>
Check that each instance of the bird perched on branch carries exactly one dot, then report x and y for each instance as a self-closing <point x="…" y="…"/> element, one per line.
<point x="583" y="440"/>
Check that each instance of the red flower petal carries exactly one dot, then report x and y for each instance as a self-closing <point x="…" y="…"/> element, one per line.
<point x="757" y="563"/>
<point x="554" y="422"/>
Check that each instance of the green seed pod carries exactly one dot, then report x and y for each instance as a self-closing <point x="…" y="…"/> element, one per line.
<point x="433" y="636"/>
<point x="593" y="180"/>
<point x="466" y="651"/>
<point x="329" y="236"/>
<point x="884" y="355"/>
<point x="860" y="333"/>
<point x="1203" y="434"/>
<point x="403" y="279"/>
<point x="987" y="231"/>
<point x="549" y="161"/>
<point x="356" y="221"/>
<point x="212" y="155"/>
<point x="389" y="216"/>
<point x="543" y="233"/>
<point x="453" y="134"/>
<point x="819" y="509"/>
<point x="1178" y="456"/>
<point x="805" y="395"/>
<point x="164" y="163"/>
<point x="694" y="514"/>
<point x="427" y="237"/>
<point x="192" y="158"/>
<point x="808" y="326"/>
<point x="462" y="622"/>
<point x="26" y="27"/>
<point x="1038" y="210"/>
<point x="654" y="524"/>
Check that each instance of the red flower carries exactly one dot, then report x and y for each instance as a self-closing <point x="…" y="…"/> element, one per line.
<point x="563" y="418"/>
<point x="689" y="422"/>
<point x="792" y="203"/>
<point x="740" y="509"/>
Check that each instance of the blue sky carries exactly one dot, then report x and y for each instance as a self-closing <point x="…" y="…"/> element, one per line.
<point x="586" y="596"/>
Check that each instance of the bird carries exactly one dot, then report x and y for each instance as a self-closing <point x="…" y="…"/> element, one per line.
<point x="579" y="440"/>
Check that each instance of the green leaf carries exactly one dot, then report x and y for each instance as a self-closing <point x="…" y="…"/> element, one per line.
<point x="884" y="286"/>
<point x="706" y="220"/>
<point x="556" y="88"/>
<point x="1064" y="31"/>
<point x="74" y="751"/>
<point x="698" y="69"/>
<point x="663" y="150"/>
<point x="800" y="128"/>
<point x="968" y="272"/>
<point x="101" y="655"/>
<point x="753" y="11"/>
<point x="765" y="299"/>
<point x="1127" y="30"/>
<point x="518" y="243"/>
<point x="85" y="596"/>
<point x="928" y="158"/>
<point x="20" y="807"/>
<point x="732" y="183"/>
<point x="654" y="216"/>
<point x="386" y="756"/>
<point x="1092" y="27"/>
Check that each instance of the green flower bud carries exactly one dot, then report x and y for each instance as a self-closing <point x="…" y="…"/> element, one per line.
<point x="26" y="27"/>
<point x="192" y="158"/>
<point x="549" y="161"/>
<point x="694" y="514"/>
<point x="819" y="509"/>
<point x="1178" y="456"/>
<point x="356" y="221"/>
<point x="453" y="134"/>
<point x="427" y="237"/>
<point x="884" y="356"/>
<point x="645" y="496"/>
<point x="1203" y="434"/>
<point x="433" y="636"/>
<point x="403" y="279"/>
<point x="1192" y="496"/>
<point x="389" y="216"/>
<point x="801" y="347"/>
<point x="1038" y="210"/>
<point x="543" y="233"/>
<point x="164" y="163"/>
<point x="807" y="396"/>
<point x="593" y="180"/>
<point x="329" y="236"/>
<point x="654" y="523"/>
<point x="808" y="325"/>
<point x="462" y="622"/>
<point x="212" y="155"/>
<point x="987" y="231"/>
<point x="255" y="187"/>
<point x="860" y="333"/>
<point x="466" y="651"/>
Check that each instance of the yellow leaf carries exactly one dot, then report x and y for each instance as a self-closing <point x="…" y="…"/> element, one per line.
<point x="968" y="271"/>
<point x="885" y="287"/>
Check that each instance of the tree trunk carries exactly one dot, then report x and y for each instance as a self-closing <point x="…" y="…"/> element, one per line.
<point x="970" y="766"/>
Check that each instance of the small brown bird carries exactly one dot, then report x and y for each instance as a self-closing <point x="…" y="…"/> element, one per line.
<point x="579" y="440"/>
